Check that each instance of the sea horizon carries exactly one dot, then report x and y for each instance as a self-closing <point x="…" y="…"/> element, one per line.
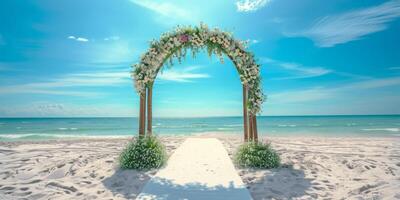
<point x="311" y="115"/>
<point x="45" y="128"/>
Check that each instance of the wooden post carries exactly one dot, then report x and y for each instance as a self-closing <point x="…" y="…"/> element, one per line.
<point x="251" y="136"/>
<point x="245" y="119"/>
<point x="255" y="134"/>
<point x="142" y="114"/>
<point x="149" y="109"/>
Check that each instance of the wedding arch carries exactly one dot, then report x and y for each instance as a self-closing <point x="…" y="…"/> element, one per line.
<point x="174" y="45"/>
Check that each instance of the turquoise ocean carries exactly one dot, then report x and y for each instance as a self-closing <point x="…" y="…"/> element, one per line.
<point x="12" y="129"/>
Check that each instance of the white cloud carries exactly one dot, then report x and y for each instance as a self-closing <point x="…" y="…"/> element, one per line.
<point x="394" y="68"/>
<point x="112" y="38"/>
<point x="164" y="8"/>
<point x="354" y="25"/>
<point x="63" y="85"/>
<point x="252" y="41"/>
<point x="79" y="39"/>
<point x="251" y="5"/>
<point x="298" y="70"/>
<point x="82" y="39"/>
<point x="181" y="76"/>
<point x="185" y="75"/>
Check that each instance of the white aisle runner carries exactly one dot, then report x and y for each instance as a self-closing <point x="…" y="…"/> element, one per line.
<point x="199" y="169"/>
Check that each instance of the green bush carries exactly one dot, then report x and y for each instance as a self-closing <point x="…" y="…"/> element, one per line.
<point x="143" y="153"/>
<point x="257" y="155"/>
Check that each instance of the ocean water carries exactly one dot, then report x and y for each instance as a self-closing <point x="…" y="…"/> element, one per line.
<point x="59" y="128"/>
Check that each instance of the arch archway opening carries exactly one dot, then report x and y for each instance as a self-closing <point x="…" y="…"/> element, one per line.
<point x="174" y="45"/>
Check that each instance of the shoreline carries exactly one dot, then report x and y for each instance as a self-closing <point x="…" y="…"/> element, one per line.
<point x="205" y="134"/>
<point x="216" y="135"/>
<point x="312" y="167"/>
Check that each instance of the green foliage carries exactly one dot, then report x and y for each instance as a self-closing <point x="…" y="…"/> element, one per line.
<point x="257" y="155"/>
<point x="143" y="153"/>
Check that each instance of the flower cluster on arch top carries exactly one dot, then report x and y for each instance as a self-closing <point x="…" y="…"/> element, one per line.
<point x="174" y="45"/>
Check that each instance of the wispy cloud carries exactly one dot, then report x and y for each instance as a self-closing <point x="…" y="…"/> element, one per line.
<point x="252" y="41"/>
<point x="184" y="75"/>
<point x="63" y="109"/>
<point x="64" y="85"/>
<point x="304" y="72"/>
<point x="299" y="96"/>
<point x="351" y="75"/>
<point x="394" y="68"/>
<point x="79" y="39"/>
<point x="50" y="107"/>
<point x="354" y="25"/>
<point x="320" y="93"/>
<point x="22" y="89"/>
<point x="298" y="70"/>
<point x="164" y="8"/>
<point x="250" y="5"/>
<point x="373" y="83"/>
<point x="112" y="38"/>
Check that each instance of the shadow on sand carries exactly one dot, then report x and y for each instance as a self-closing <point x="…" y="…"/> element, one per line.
<point x="281" y="183"/>
<point x="127" y="183"/>
<point x="122" y="184"/>
<point x="160" y="188"/>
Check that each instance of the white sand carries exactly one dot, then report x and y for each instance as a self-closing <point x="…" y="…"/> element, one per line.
<point x="314" y="168"/>
<point x="84" y="169"/>
<point x="199" y="169"/>
<point x="323" y="168"/>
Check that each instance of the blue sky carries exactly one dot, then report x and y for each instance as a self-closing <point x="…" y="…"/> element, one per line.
<point x="72" y="58"/>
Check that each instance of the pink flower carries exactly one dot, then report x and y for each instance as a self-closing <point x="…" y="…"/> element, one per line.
<point x="184" y="38"/>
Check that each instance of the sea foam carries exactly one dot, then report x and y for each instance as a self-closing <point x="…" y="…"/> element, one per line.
<point x="382" y="129"/>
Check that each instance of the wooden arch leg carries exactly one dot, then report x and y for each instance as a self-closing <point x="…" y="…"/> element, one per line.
<point x="245" y="117"/>
<point x="255" y="132"/>
<point x="253" y="128"/>
<point x="251" y="136"/>
<point x="142" y="114"/>
<point x="149" y="109"/>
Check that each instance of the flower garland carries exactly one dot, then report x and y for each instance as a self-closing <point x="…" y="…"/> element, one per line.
<point x="175" y="44"/>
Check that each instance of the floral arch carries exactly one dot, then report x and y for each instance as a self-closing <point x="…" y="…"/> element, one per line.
<point x="175" y="44"/>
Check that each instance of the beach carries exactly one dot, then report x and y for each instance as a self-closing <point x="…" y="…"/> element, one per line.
<point x="312" y="168"/>
<point x="199" y="100"/>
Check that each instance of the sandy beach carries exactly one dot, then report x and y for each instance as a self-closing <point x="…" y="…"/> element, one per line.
<point x="313" y="168"/>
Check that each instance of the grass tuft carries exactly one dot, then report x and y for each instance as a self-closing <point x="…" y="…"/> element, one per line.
<point x="143" y="153"/>
<point x="257" y="155"/>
